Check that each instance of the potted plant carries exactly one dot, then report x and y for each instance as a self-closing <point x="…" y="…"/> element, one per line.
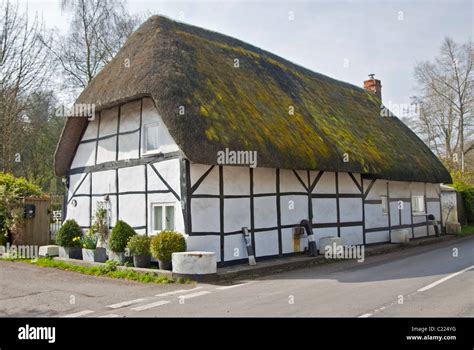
<point x="90" y="251"/>
<point x="139" y="247"/>
<point x="69" y="240"/>
<point x="164" y="244"/>
<point x="101" y="224"/>
<point x="118" y="240"/>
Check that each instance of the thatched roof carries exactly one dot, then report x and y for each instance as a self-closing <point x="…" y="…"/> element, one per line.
<point x="247" y="108"/>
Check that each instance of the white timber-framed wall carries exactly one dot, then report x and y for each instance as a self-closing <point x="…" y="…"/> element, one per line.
<point x="213" y="202"/>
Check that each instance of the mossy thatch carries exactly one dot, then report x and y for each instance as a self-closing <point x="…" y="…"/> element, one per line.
<point x="249" y="107"/>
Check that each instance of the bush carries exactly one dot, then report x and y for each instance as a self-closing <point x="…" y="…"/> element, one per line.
<point x="69" y="235"/>
<point x="3" y="239"/>
<point x="119" y="236"/>
<point x="468" y="204"/>
<point x="89" y="240"/>
<point x="166" y="243"/>
<point x="139" y="245"/>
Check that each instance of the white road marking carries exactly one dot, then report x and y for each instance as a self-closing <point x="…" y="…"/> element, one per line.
<point x="444" y="279"/>
<point x="109" y="316"/>
<point x="149" y="306"/>
<point x="125" y="303"/>
<point x="365" y="315"/>
<point x="193" y="295"/>
<point x="177" y="292"/>
<point x="234" y="286"/>
<point x="80" y="313"/>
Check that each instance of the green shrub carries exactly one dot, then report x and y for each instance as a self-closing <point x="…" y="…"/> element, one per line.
<point x="119" y="236"/>
<point x="139" y="245"/>
<point x="166" y="243"/>
<point x="468" y="204"/>
<point x="3" y="239"/>
<point x="69" y="235"/>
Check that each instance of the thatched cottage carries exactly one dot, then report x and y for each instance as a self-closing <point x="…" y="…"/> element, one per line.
<point x="205" y="134"/>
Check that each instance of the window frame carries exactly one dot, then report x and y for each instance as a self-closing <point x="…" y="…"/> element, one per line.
<point x="420" y="200"/>
<point x="145" y="149"/>
<point x="163" y="205"/>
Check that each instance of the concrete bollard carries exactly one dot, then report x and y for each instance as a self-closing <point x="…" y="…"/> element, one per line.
<point x="399" y="236"/>
<point x="48" y="250"/>
<point x="453" y="227"/>
<point x="194" y="263"/>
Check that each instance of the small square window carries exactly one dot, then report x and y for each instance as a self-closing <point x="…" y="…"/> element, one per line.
<point x="163" y="217"/>
<point x="418" y="204"/>
<point x="150" y="137"/>
<point x="384" y="204"/>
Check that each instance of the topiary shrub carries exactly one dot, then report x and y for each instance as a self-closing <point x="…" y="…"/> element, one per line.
<point x="166" y="243"/>
<point x="69" y="234"/>
<point x="139" y="245"/>
<point x="119" y="236"/>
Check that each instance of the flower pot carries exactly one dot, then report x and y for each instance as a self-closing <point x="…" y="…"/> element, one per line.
<point x="141" y="261"/>
<point x="164" y="265"/>
<point x="119" y="257"/>
<point x="94" y="255"/>
<point x="70" y="252"/>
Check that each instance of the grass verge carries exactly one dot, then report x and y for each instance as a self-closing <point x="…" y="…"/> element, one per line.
<point x="110" y="269"/>
<point x="467" y="230"/>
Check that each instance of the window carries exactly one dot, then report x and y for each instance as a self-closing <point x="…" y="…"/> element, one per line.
<point x="418" y="204"/>
<point x="384" y="204"/>
<point x="163" y="217"/>
<point x="150" y="136"/>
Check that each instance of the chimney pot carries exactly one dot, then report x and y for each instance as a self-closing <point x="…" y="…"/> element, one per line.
<point x="374" y="86"/>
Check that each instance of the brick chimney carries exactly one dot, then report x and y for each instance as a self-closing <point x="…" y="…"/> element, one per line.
<point x="374" y="86"/>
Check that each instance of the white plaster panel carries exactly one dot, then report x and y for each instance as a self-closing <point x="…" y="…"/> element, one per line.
<point x="287" y="240"/>
<point x="379" y="188"/>
<point x="377" y="237"/>
<point x="432" y="190"/>
<point x="265" y="212"/>
<point x="170" y="171"/>
<point x="399" y="189"/>
<point x="433" y="208"/>
<point x="132" y="209"/>
<point x="108" y="122"/>
<point x="374" y="216"/>
<point x="324" y="232"/>
<point x="205" y="214"/>
<point x="350" y="209"/>
<point x="130" y="116"/>
<point x="234" y="247"/>
<point x="128" y="146"/>
<point x="236" y="214"/>
<point x="106" y="150"/>
<point x="352" y="235"/>
<point x="324" y="210"/>
<point x="209" y="243"/>
<point x="210" y="185"/>
<point x="85" y="155"/>
<point x="132" y="179"/>
<point x="394" y="219"/>
<point x="236" y="180"/>
<point x="346" y="184"/>
<point x="418" y="188"/>
<point x="103" y="182"/>
<point x="75" y="180"/>
<point x="289" y="182"/>
<point x="91" y="130"/>
<point x="326" y="184"/>
<point x="112" y="207"/>
<point x="264" y="180"/>
<point x="80" y="213"/>
<point x="266" y="243"/>
<point x="293" y="209"/>
<point x="420" y="231"/>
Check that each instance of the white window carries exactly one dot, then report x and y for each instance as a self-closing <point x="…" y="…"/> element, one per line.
<point x="150" y="137"/>
<point x="384" y="204"/>
<point x="162" y="217"/>
<point x="418" y="204"/>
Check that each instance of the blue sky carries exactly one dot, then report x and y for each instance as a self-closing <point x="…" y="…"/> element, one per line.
<point x="346" y="40"/>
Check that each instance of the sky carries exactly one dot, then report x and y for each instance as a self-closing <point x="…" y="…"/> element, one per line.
<point x="346" y="40"/>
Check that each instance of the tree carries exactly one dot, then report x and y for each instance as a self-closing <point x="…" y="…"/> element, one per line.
<point x="97" y="31"/>
<point x="24" y="68"/>
<point x="445" y="121"/>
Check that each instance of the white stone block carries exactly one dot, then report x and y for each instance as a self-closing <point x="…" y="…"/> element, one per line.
<point x="400" y="236"/>
<point x="194" y="263"/>
<point x="328" y="241"/>
<point x="453" y="227"/>
<point x="49" y="250"/>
